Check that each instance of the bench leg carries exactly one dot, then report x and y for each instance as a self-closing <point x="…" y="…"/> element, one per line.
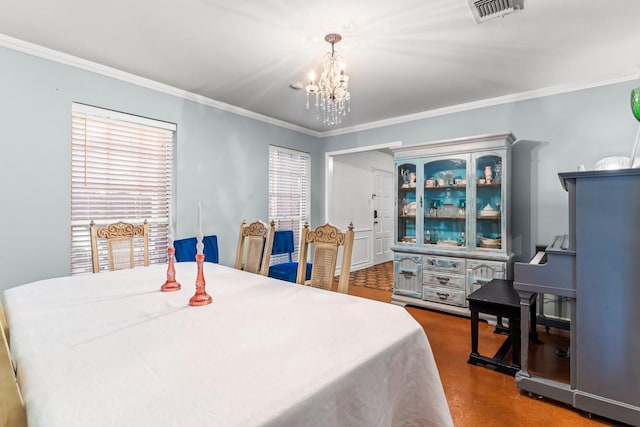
<point x="474" y="332"/>
<point x="514" y="324"/>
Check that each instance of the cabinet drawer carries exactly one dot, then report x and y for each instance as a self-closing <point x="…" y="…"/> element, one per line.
<point x="444" y="295"/>
<point x="452" y="265"/>
<point x="480" y="265"/>
<point x="438" y="278"/>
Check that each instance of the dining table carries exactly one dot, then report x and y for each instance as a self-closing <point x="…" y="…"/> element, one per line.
<point x="112" y="349"/>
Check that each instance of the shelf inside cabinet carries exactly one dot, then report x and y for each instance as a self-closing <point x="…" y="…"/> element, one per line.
<point x="488" y="218"/>
<point x="445" y="243"/>
<point x="452" y="187"/>
<point x="455" y="218"/>
<point x="492" y="185"/>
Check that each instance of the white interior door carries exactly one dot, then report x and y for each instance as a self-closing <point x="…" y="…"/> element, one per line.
<point x="382" y="219"/>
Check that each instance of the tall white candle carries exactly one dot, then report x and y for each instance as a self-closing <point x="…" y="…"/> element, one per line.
<point x="199" y="235"/>
<point x="170" y="229"/>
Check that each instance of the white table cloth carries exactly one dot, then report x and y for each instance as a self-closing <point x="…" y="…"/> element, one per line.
<point x="110" y="349"/>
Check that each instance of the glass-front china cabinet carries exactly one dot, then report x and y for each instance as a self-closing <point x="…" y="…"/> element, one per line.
<point x="452" y="220"/>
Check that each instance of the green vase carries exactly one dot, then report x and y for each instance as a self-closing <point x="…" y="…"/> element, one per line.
<point x="635" y="103"/>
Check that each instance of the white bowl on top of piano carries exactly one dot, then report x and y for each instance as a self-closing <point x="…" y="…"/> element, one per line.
<point x="616" y="162"/>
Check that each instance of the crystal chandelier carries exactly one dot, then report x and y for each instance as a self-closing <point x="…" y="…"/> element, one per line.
<point x="332" y="90"/>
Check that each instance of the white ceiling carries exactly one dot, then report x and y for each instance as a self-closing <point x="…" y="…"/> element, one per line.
<point x="403" y="56"/>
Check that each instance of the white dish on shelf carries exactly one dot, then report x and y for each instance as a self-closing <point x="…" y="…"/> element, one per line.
<point x="488" y="211"/>
<point x="485" y="242"/>
<point x="412" y="208"/>
<point x="448" y="243"/>
<point x="489" y="214"/>
<point x="496" y="245"/>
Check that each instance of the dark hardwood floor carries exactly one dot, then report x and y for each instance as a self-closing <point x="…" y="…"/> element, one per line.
<point x="480" y="396"/>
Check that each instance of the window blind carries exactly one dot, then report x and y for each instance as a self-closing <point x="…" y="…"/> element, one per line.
<point x="121" y="170"/>
<point x="289" y="190"/>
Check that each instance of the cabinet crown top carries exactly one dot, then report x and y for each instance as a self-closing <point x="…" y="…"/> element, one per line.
<point x="468" y="143"/>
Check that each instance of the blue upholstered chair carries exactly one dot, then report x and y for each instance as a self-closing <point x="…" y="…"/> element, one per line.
<point x="186" y="249"/>
<point x="283" y="244"/>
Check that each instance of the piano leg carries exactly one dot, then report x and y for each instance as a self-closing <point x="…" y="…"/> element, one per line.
<point x="527" y="311"/>
<point x="533" y="321"/>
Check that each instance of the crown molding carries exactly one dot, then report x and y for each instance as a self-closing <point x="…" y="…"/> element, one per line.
<point x="73" y="61"/>
<point x="490" y="102"/>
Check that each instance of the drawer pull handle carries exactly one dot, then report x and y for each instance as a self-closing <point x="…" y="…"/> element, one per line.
<point x="407" y="274"/>
<point x="443" y="264"/>
<point x="442" y="280"/>
<point x="442" y="295"/>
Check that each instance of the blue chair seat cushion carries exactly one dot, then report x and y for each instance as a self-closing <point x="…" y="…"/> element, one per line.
<point x="288" y="271"/>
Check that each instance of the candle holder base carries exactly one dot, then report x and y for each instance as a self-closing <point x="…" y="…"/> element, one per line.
<point x="171" y="285"/>
<point x="198" y="300"/>
<point x="200" y="297"/>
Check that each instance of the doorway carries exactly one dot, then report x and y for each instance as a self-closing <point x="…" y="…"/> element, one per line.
<point x="382" y="197"/>
<point x="350" y="178"/>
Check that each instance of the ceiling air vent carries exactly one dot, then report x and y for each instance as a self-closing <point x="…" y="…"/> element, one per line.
<point x="483" y="10"/>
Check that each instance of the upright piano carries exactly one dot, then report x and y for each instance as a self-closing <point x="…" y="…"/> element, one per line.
<point x="596" y="267"/>
<point x="553" y="307"/>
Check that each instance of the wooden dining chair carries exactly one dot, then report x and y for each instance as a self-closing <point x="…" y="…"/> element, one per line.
<point x="12" y="409"/>
<point x="326" y="240"/>
<point x="258" y="239"/>
<point x="4" y="325"/>
<point x="119" y="240"/>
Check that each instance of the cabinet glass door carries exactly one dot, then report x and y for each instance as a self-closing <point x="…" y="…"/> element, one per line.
<point x="407" y="203"/>
<point x="489" y="202"/>
<point x="445" y="202"/>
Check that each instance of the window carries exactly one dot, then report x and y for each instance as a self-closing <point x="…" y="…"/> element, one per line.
<point x="288" y="193"/>
<point x="121" y="170"/>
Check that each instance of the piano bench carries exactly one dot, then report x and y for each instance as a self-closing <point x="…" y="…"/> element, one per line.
<point x="498" y="298"/>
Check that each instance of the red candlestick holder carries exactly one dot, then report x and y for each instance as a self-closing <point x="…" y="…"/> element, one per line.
<point x="200" y="297"/>
<point x="171" y="285"/>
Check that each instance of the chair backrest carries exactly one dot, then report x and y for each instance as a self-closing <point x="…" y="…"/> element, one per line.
<point x="326" y="240"/>
<point x="186" y="249"/>
<point x="283" y="243"/>
<point x="12" y="410"/>
<point x="259" y="242"/>
<point x="119" y="238"/>
<point x="4" y="325"/>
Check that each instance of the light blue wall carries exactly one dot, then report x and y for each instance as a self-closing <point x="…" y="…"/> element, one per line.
<point x="555" y="134"/>
<point x="222" y="157"/>
<point x="222" y="162"/>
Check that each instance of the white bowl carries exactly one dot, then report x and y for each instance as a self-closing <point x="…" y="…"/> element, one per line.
<point x="611" y="163"/>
